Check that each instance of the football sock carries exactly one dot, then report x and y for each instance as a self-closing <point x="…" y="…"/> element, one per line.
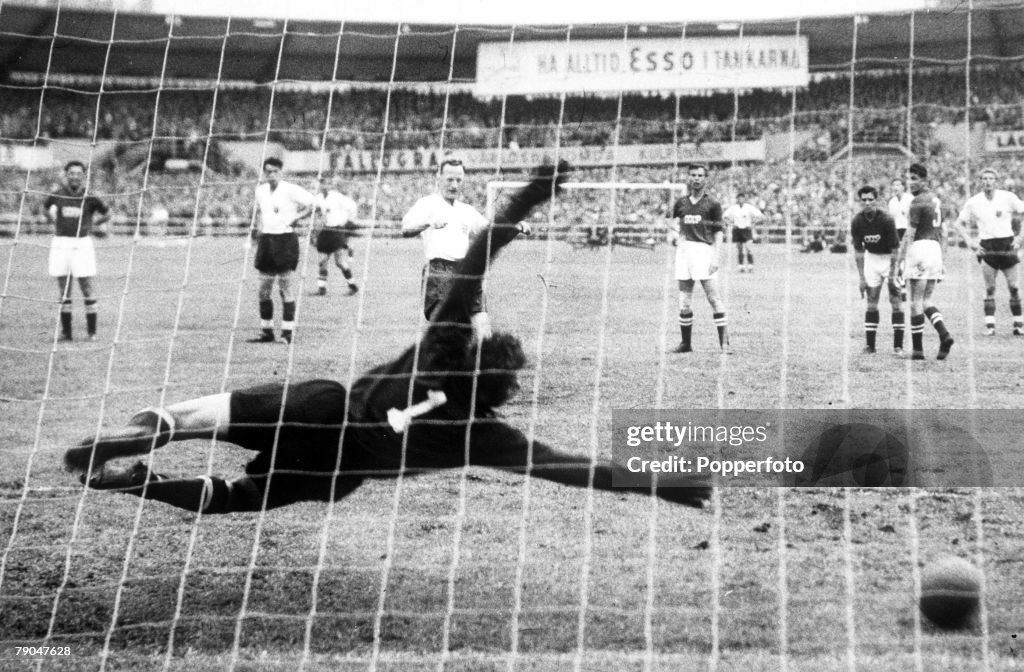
<point x="90" y="316"/>
<point x="685" y="326"/>
<point x="287" y="319"/>
<point x="1015" y="308"/>
<point x="321" y="280"/>
<point x="267" y="316"/>
<point x="206" y="494"/>
<point x="935" y="317"/>
<point x="917" y="332"/>
<point x="720" y="324"/>
<point x="65" y="318"/>
<point x="871" y="318"/>
<point x="347" y="273"/>
<point x="750" y="258"/>
<point x="898" y="321"/>
<point x="990" y="312"/>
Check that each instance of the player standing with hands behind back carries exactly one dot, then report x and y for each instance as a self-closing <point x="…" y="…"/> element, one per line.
<point x="75" y="216"/>
<point x="698" y="242"/>
<point x="446" y="225"/>
<point x="281" y="206"/>
<point x="743" y="215"/>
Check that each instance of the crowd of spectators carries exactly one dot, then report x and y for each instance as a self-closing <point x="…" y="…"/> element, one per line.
<point x="809" y="193"/>
<point x="362" y="118"/>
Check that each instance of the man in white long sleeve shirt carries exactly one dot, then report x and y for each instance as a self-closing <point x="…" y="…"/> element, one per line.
<point x="446" y="225"/>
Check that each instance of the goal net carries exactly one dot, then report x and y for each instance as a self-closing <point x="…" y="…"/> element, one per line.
<point x="598" y="214"/>
<point x="172" y="117"/>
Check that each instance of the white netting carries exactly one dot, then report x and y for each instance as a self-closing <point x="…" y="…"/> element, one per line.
<point x="478" y="569"/>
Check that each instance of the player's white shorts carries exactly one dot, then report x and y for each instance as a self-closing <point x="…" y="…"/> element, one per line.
<point x="876" y="268"/>
<point x="72" y="256"/>
<point x="924" y="261"/>
<point x="693" y="261"/>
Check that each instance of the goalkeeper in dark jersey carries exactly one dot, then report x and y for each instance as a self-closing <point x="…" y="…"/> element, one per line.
<point x="431" y="408"/>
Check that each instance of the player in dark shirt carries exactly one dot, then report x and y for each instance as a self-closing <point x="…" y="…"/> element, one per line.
<point x="920" y="257"/>
<point x="698" y="241"/>
<point x="75" y="216"/>
<point x="317" y="441"/>
<point x="875" y="242"/>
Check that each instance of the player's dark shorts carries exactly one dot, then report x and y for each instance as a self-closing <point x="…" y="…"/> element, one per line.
<point x="999" y="253"/>
<point x="277" y="253"/>
<point x="742" y="235"/>
<point x="330" y="240"/>
<point x="438" y="275"/>
<point x="300" y="448"/>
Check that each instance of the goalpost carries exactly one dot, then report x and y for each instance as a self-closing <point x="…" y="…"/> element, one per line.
<point x="460" y="570"/>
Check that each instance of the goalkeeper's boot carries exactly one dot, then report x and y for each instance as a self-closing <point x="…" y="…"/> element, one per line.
<point x="147" y="430"/>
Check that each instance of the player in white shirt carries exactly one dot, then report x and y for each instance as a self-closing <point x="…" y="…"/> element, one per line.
<point x="281" y="206"/>
<point x="899" y="209"/>
<point x="742" y="215"/>
<point x="339" y="211"/>
<point x="446" y="225"/>
<point x="997" y="246"/>
<point x="899" y="205"/>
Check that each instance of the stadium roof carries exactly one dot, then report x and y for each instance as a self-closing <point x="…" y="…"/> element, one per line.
<point x="91" y="43"/>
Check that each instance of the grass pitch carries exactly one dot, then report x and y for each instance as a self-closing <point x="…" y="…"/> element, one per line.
<point x="481" y="570"/>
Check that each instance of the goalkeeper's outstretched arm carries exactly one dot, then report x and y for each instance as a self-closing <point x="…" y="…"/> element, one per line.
<point x="497" y="445"/>
<point x="470" y="271"/>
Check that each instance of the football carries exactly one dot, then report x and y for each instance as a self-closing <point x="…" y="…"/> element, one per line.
<point x="950" y="592"/>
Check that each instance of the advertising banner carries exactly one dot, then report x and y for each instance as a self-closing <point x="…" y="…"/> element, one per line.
<point x="610" y="66"/>
<point x="401" y="160"/>
<point x="1004" y="141"/>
